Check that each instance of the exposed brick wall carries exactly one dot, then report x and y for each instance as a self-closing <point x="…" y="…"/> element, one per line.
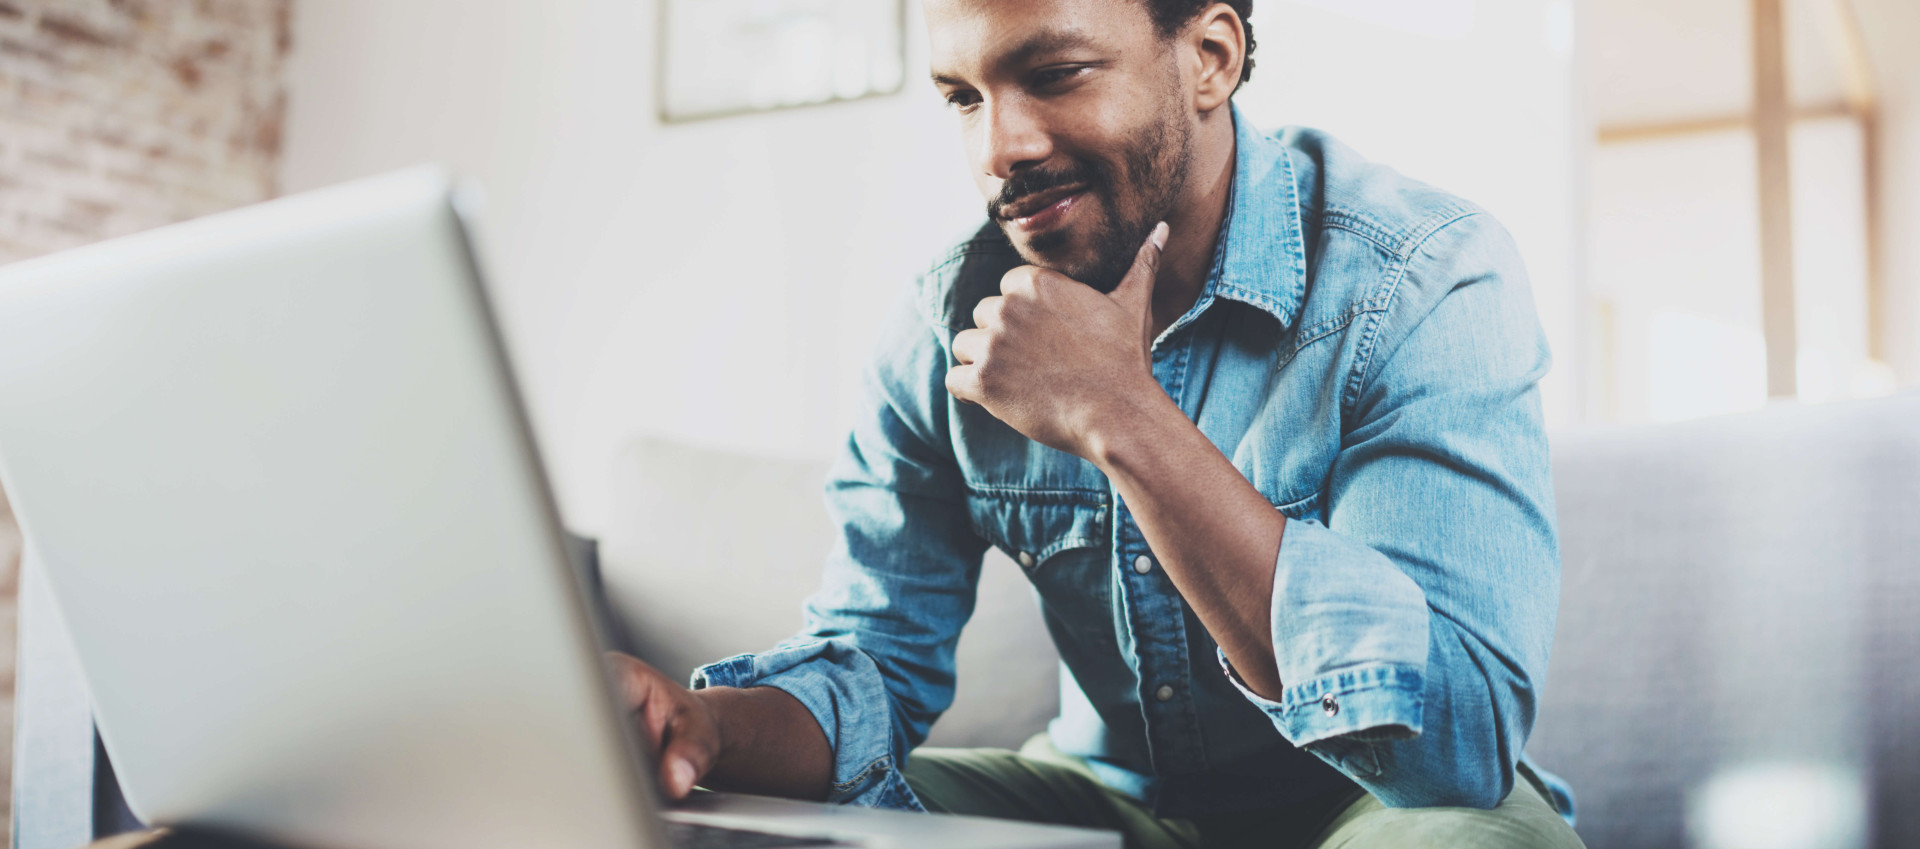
<point x="117" y="116"/>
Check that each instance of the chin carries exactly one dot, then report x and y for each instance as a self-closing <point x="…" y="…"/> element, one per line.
<point x="1060" y="250"/>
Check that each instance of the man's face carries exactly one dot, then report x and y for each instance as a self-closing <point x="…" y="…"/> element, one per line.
<point x="1077" y="119"/>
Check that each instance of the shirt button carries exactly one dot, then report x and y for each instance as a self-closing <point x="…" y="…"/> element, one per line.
<point x="1026" y="559"/>
<point x="1165" y="693"/>
<point x="1143" y="564"/>
<point x="1330" y="704"/>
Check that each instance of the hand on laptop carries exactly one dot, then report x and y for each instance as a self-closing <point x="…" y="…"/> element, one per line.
<point x="754" y="740"/>
<point x="679" y="728"/>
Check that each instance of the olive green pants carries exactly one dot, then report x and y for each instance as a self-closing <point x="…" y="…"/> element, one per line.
<point x="1040" y="784"/>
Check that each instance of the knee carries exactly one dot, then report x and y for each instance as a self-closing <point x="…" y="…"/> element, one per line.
<point x="1515" y="823"/>
<point x="957" y="781"/>
<point x="932" y="762"/>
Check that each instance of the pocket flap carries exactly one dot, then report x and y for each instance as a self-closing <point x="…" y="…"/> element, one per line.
<point x="1039" y="523"/>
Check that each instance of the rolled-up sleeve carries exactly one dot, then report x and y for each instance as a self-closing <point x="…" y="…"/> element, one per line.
<point x="1411" y="629"/>
<point x="874" y="662"/>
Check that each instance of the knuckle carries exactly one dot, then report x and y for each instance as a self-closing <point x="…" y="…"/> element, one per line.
<point x="959" y="383"/>
<point x="1020" y="279"/>
<point x="984" y="347"/>
<point x="987" y="310"/>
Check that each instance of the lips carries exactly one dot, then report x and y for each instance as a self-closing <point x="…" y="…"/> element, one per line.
<point x="1037" y="202"/>
<point x="1043" y="210"/>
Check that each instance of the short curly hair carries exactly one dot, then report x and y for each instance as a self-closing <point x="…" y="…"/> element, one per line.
<point x="1170" y="15"/>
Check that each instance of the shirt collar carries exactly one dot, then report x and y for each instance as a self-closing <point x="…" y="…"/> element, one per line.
<point x="1264" y="262"/>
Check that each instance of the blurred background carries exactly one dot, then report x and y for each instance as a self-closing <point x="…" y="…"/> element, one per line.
<point x="1718" y="200"/>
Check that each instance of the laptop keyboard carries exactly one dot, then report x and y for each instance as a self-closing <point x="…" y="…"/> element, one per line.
<point x="686" y="835"/>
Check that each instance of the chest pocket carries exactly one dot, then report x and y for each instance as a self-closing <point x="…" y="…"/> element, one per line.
<point x="1033" y="526"/>
<point x="1061" y="540"/>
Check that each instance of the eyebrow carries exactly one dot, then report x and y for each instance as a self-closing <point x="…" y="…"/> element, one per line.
<point x="1038" y="44"/>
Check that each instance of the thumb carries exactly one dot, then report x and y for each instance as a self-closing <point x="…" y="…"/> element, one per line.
<point x="1136" y="289"/>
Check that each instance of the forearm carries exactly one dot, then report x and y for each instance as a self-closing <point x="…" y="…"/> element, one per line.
<point x="770" y="744"/>
<point x="1215" y="535"/>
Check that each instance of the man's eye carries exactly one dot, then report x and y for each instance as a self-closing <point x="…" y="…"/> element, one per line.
<point x="962" y="100"/>
<point x="1054" y="76"/>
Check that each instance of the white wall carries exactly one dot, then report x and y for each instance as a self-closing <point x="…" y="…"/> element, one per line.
<point x="712" y="282"/>
<point x="1676" y="262"/>
<point x="1478" y="99"/>
<point x="1892" y="30"/>
<point x="718" y="283"/>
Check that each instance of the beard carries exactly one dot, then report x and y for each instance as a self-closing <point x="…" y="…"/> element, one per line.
<point x="1133" y="195"/>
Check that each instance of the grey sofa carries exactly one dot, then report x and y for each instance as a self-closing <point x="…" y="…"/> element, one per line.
<point x="1737" y="590"/>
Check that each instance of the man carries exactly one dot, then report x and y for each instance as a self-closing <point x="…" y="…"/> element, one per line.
<point x="1259" y="420"/>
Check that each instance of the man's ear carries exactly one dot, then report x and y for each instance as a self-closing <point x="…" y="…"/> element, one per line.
<point x="1220" y="42"/>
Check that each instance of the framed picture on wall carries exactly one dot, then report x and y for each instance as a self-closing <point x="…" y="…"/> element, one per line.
<point x="731" y="57"/>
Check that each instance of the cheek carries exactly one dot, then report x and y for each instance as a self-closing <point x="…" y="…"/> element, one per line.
<point x="988" y="185"/>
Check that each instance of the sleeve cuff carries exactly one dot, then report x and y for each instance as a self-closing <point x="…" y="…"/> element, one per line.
<point x="844" y="691"/>
<point x="1369" y="703"/>
<point x="1350" y="632"/>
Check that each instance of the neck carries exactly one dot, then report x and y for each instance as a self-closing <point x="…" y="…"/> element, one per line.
<point x="1194" y="227"/>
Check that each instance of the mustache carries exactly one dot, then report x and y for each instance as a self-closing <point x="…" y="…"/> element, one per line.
<point x="1031" y="181"/>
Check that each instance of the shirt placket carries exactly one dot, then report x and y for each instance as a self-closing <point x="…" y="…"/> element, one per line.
<point x="1156" y="616"/>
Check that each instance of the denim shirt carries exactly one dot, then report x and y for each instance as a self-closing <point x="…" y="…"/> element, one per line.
<point x="1366" y="352"/>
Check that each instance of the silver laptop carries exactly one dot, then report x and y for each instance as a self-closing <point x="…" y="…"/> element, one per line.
<point x="284" y="492"/>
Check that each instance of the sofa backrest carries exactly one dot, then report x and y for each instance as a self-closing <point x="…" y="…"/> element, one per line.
<point x="1736" y="590"/>
<point x="709" y="554"/>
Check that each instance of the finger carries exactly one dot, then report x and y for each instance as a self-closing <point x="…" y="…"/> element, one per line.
<point x="677" y="776"/>
<point x="963" y="382"/>
<point x="685" y="759"/>
<point x="1136" y="289"/>
<point x="655" y="714"/>
<point x="1021" y="279"/>
<point x="632" y="677"/>
<point x="970" y="346"/>
<point x="986" y="314"/>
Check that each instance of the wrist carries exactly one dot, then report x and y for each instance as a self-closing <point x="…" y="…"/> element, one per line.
<point x="1120" y="435"/>
<point x="766" y="742"/>
<point x="721" y="706"/>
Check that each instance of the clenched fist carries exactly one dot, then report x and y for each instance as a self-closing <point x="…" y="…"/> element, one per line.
<point x="1058" y="360"/>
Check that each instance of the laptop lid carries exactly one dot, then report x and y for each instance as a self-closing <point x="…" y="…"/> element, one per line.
<point x="275" y="467"/>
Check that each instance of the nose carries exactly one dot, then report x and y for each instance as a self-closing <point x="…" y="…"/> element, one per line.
<point x="1011" y="137"/>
